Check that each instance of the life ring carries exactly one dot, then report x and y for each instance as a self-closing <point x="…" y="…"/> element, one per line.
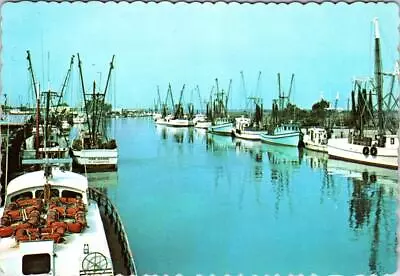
<point x="365" y="150"/>
<point x="374" y="151"/>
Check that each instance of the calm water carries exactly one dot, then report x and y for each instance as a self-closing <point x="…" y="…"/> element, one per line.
<point x="194" y="203"/>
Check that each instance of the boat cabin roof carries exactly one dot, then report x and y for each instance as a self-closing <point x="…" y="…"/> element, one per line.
<point x="30" y="181"/>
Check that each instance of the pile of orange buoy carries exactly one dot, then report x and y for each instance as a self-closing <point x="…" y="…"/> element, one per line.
<point x="29" y="219"/>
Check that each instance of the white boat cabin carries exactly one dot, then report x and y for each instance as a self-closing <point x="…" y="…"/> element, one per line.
<point x="50" y="227"/>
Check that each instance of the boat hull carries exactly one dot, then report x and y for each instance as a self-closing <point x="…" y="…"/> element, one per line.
<point x="221" y="129"/>
<point x="252" y="135"/>
<point x="316" y="147"/>
<point x="285" y="139"/>
<point x="175" y="123"/>
<point x="340" y="149"/>
<point x="95" y="160"/>
<point x="202" y="125"/>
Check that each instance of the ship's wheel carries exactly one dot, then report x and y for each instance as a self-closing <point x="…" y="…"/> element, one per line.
<point x="94" y="261"/>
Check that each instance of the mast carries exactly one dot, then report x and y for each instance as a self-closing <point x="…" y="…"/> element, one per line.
<point x="30" y="69"/>
<point x="84" y="94"/>
<point x="279" y="92"/>
<point x="105" y="92"/>
<point x="67" y="77"/>
<point x="227" y="98"/>
<point x="378" y="77"/>
<point x="94" y="111"/>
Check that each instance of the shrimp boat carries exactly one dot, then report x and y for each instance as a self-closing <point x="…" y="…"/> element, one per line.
<point x="53" y="223"/>
<point x="56" y="147"/>
<point x="378" y="147"/>
<point x="316" y="138"/>
<point x="221" y="124"/>
<point x="91" y="150"/>
<point x="281" y="132"/>
<point x="251" y="128"/>
<point x="178" y="118"/>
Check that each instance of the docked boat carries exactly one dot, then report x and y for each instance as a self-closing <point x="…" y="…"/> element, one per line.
<point x="282" y="130"/>
<point x="316" y="138"/>
<point x="221" y="123"/>
<point x="47" y="128"/>
<point x="285" y="134"/>
<point x="201" y="121"/>
<point x="53" y="223"/>
<point x="221" y="127"/>
<point x="381" y="147"/>
<point x="91" y="149"/>
<point x="178" y="118"/>
<point x="33" y="150"/>
<point x="250" y="128"/>
<point x="246" y="128"/>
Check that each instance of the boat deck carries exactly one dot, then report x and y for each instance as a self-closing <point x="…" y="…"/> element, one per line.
<point x="69" y="255"/>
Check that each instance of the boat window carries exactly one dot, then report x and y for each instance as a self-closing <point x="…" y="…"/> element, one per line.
<point x="392" y="141"/>
<point x="25" y="195"/>
<point x="35" y="264"/>
<point x="53" y="193"/>
<point x="284" y="128"/>
<point x="67" y="193"/>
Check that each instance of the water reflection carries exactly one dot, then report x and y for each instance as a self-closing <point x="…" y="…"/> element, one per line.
<point x="318" y="162"/>
<point x="180" y="135"/>
<point x="372" y="205"/>
<point x="218" y="143"/>
<point x="283" y="161"/>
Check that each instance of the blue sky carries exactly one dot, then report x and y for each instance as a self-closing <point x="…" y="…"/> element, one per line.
<point x="325" y="46"/>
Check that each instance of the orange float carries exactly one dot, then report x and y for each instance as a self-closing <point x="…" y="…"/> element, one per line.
<point x="14" y="214"/>
<point x="6" y="231"/>
<point x="74" y="227"/>
<point x="59" y="209"/>
<point x="23" y="226"/>
<point x="55" y="237"/>
<point x="57" y="224"/>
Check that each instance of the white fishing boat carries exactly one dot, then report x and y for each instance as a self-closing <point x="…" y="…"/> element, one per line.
<point x="178" y="118"/>
<point x="56" y="149"/>
<point x="316" y="138"/>
<point x="201" y="121"/>
<point x="380" y="149"/>
<point x="282" y="131"/>
<point x="46" y="140"/>
<point x="52" y="223"/>
<point x="221" y="123"/>
<point x="244" y="129"/>
<point x="91" y="149"/>
<point x="284" y="134"/>
<point x="101" y="157"/>
<point x="221" y="127"/>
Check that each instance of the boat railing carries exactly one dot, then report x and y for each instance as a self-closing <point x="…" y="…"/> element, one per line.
<point x="363" y="141"/>
<point x="111" y="211"/>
